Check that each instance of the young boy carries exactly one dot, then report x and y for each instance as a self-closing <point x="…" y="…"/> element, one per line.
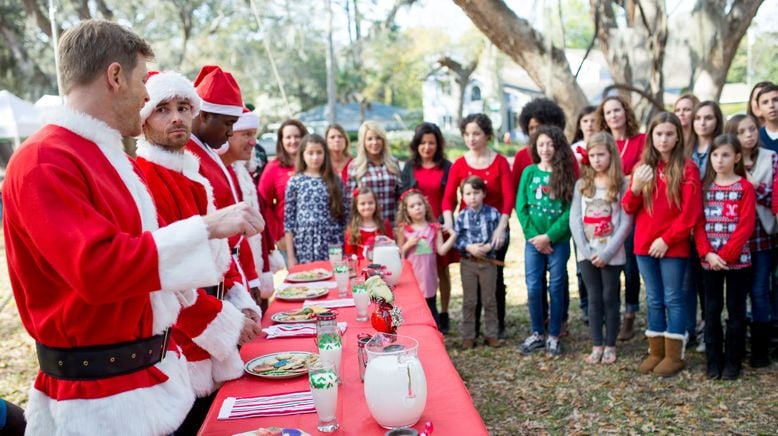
<point x="768" y="105"/>
<point x="474" y="227"/>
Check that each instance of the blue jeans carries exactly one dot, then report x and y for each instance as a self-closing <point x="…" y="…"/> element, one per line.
<point x="664" y="293"/>
<point x="536" y="264"/>
<point x="761" y="262"/>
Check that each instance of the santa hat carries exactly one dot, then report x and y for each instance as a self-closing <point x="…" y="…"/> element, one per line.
<point x="219" y="91"/>
<point x="248" y="120"/>
<point x="166" y="86"/>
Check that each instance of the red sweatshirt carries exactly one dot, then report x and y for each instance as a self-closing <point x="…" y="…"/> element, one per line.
<point x="729" y="218"/>
<point x="671" y="223"/>
<point x="500" y="192"/>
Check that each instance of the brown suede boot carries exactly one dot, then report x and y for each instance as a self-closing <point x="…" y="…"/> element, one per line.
<point x="627" y="330"/>
<point x="656" y="352"/>
<point x="468" y="343"/>
<point x="674" y="354"/>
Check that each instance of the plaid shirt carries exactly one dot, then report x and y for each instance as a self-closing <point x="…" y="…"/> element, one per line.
<point x="760" y="239"/>
<point x="476" y="227"/>
<point x="383" y="183"/>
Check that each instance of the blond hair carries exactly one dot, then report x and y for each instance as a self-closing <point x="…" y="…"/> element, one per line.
<point x="615" y="176"/>
<point x="403" y="218"/>
<point x="361" y="161"/>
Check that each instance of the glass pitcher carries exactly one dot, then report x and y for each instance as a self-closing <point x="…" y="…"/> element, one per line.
<point x="395" y="384"/>
<point x="386" y="253"/>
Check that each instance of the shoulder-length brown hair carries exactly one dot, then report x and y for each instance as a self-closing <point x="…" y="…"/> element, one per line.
<point x="332" y="182"/>
<point x="674" y="169"/>
<point x="355" y="220"/>
<point x="342" y="131"/>
<point x="720" y="141"/>
<point x="614" y="173"/>
<point x="283" y="157"/>
<point x="562" y="178"/>
<point x="633" y="127"/>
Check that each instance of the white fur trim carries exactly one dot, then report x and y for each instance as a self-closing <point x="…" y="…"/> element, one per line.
<point x="185" y="259"/>
<point x="155" y="410"/>
<point x="653" y="334"/>
<point x="277" y="262"/>
<point x="266" y="286"/>
<point x="220" y="337"/>
<point x="187" y="298"/>
<point x="239" y="297"/>
<point x="201" y="378"/>
<point x="248" y="188"/>
<point x="224" y="148"/>
<point x="165" y="307"/>
<point x="223" y="109"/>
<point x="247" y="121"/>
<point x="165" y="86"/>
<point x="227" y="369"/>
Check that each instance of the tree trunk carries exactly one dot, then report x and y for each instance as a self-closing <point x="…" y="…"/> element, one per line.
<point x="330" y="60"/>
<point x="527" y="47"/>
<point x="714" y="44"/>
<point x="462" y="76"/>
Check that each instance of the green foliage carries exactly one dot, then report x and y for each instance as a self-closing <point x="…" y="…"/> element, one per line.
<point x="578" y="23"/>
<point x="764" y="52"/>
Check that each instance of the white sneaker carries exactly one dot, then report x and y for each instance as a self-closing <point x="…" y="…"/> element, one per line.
<point x="700" y="347"/>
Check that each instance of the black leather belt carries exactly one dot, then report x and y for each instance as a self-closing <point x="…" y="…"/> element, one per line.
<point x="102" y="361"/>
<point x="216" y="291"/>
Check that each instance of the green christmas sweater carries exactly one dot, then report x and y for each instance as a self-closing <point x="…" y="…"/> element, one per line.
<point x="539" y="213"/>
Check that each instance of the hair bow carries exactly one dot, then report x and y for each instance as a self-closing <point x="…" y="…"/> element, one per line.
<point x="584" y="155"/>
<point x="355" y="193"/>
<point x="409" y="192"/>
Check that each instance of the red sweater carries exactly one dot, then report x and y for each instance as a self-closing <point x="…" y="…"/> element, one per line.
<point x="633" y="152"/>
<point x="500" y="192"/>
<point x="671" y="223"/>
<point x="429" y="180"/>
<point x="730" y="215"/>
<point x="366" y="240"/>
<point x="272" y="189"/>
<point x="523" y="159"/>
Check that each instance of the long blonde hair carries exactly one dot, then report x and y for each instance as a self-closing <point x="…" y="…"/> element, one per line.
<point x="674" y="169"/>
<point x="355" y="220"/>
<point x="361" y="161"/>
<point x="615" y="176"/>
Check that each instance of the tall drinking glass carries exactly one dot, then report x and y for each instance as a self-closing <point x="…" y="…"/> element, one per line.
<point x="324" y="388"/>
<point x="361" y="298"/>
<point x="340" y="268"/>
<point x="336" y="253"/>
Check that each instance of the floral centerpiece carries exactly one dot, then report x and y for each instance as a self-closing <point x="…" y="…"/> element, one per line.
<point x="386" y="318"/>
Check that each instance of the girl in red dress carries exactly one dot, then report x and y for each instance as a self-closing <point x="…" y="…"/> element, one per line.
<point x="365" y="224"/>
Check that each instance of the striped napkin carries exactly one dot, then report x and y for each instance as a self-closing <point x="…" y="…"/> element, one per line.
<point x="330" y="304"/>
<point x="296" y="330"/>
<point x="275" y="405"/>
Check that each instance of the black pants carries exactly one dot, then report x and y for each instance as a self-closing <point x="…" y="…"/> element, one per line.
<point x="631" y="276"/>
<point x="15" y="423"/>
<point x="500" y="293"/>
<point x="738" y="283"/>
<point x="196" y="416"/>
<point x="604" y="286"/>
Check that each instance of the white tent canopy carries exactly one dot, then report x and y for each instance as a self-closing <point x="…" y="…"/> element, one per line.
<point x="18" y="118"/>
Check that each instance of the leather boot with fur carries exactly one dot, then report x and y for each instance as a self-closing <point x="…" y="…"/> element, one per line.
<point x="673" y="362"/>
<point x="627" y="330"/>
<point x="656" y="351"/>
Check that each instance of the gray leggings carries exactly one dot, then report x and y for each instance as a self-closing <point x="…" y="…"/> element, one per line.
<point x="603" y="285"/>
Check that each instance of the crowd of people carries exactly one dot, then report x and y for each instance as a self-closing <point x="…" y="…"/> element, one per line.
<point x="140" y="278"/>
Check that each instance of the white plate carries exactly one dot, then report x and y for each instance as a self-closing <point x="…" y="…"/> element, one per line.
<point x="313" y="275"/>
<point x="273" y="358"/>
<point x="296" y="293"/>
<point x="280" y="317"/>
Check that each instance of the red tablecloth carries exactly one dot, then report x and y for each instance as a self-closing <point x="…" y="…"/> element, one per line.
<point x="449" y="406"/>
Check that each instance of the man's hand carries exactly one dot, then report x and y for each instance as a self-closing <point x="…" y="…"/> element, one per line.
<point x="232" y="220"/>
<point x="250" y="330"/>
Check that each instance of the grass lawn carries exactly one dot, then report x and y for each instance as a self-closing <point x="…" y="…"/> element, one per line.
<point x="518" y="394"/>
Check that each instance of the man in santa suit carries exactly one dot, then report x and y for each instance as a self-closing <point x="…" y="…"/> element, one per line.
<point x="222" y="105"/>
<point x="208" y="330"/>
<point x="97" y="281"/>
<point x="236" y="158"/>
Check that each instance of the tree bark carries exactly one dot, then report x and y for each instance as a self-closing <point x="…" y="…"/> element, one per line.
<point x="330" y="60"/>
<point x="462" y="75"/>
<point x="527" y="47"/>
<point x="718" y="37"/>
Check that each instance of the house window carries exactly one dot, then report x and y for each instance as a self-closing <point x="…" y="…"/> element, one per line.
<point x="475" y="94"/>
<point x="445" y="87"/>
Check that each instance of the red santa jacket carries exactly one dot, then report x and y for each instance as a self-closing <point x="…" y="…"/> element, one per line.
<point x="90" y="266"/>
<point x="207" y="327"/>
<point x="226" y="192"/>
